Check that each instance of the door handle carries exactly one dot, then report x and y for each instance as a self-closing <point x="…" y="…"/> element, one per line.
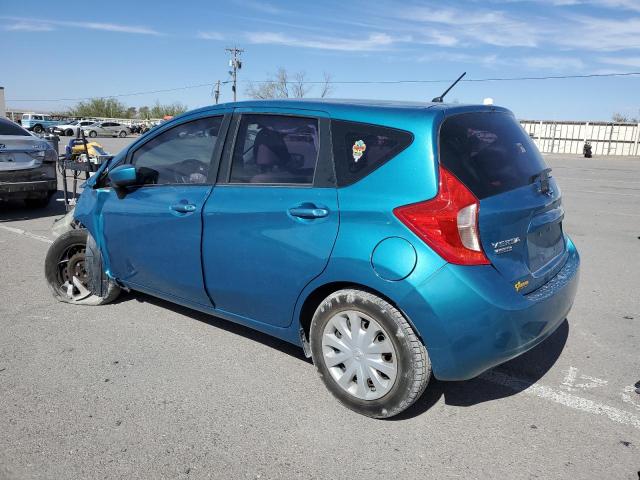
<point x="183" y="207"/>
<point x="308" y="212"/>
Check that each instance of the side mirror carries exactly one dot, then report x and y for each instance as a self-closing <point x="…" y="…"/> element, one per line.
<point x="123" y="176"/>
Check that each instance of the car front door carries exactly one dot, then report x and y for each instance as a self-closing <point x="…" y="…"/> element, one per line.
<point x="152" y="234"/>
<point x="107" y="128"/>
<point x="272" y="220"/>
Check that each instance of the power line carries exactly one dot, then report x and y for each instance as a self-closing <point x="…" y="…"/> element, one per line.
<point x="346" y="82"/>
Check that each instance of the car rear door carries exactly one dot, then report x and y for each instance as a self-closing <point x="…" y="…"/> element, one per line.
<point x="153" y="233"/>
<point x="272" y="219"/>
<point x="520" y="214"/>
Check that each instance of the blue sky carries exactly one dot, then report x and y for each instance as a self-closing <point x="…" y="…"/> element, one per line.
<point x="119" y="47"/>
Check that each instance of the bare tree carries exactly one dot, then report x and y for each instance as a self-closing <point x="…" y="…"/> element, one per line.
<point x="327" y="87"/>
<point x="620" y="118"/>
<point x="282" y="85"/>
<point x="298" y="87"/>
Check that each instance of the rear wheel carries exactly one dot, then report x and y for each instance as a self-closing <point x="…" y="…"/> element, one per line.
<point x="38" y="129"/>
<point x="93" y="134"/>
<point x="69" y="132"/>
<point x="66" y="271"/>
<point x="367" y="354"/>
<point x="122" y="134"/>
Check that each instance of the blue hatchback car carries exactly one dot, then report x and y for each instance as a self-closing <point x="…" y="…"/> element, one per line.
<point x="391" y="241"/>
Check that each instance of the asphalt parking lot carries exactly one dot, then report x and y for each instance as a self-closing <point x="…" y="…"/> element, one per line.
<point x="146" y="389"/>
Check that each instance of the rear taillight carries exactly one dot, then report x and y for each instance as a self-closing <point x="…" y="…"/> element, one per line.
<point x="448" y="223"/>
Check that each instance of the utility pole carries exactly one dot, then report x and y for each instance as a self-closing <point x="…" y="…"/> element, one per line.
<point x="236" y="64"/>
<point x="216" y="92"/>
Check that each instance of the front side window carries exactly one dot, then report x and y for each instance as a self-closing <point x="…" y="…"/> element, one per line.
<point x="275" y="149"/>
<point x="181" y="154"/>
<point x="360" y="148"/>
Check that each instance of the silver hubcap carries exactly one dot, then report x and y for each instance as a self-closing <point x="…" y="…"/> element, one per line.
<point x="359" y="355"/>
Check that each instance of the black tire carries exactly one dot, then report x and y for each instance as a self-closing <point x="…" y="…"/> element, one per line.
<point x="69" y="132"/>
<point x="414" y="367"/>
<point x="68" y="249"/>
<point x="93" y="134"/>
<point x="41" y="202"/>
<point x="38" y="129"/>
<point x="122" y="134"/>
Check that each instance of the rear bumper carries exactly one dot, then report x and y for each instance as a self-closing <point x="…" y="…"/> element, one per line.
<point x="31" y="182"/>
<point x="475" y="320"/>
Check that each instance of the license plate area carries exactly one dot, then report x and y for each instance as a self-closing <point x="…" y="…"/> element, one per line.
<point x="545" y="244"/>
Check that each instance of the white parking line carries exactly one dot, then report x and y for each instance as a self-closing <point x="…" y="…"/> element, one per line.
<point x="19" y="231"/>
<point x="562" y="398"/>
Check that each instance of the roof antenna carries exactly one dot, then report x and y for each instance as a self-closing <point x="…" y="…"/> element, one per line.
<point x="439" y="99"/>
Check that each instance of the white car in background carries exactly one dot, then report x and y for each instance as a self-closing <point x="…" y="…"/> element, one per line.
<point x="107" y="129"/>
<point x="71" y="129"/>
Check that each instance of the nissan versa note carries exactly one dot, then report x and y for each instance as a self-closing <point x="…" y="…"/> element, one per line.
<point x="391" y="241"/>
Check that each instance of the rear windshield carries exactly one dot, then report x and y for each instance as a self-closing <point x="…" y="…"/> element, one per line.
<point x="7" y="127"/>
<point x="489" y="152"/>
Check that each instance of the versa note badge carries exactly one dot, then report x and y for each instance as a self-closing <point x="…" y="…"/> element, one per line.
<point x="504" y="246"/>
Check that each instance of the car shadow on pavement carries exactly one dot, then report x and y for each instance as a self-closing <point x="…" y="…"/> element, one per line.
<point x="526" y="370"/>
<point x="235" y="328"/>
<point x="16" y="210"/>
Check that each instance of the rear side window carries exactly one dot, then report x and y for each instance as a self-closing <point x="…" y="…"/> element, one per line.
<point x="489" y="152"/>
<point x="275" y="149"/>
<point x="7" y="127"/>
<point x="360" y="148"/>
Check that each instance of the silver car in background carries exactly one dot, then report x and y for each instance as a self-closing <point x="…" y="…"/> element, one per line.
<point x="27" y="166"/>
<point x="107" y="129"/>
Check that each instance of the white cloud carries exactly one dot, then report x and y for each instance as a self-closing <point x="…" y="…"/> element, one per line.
<point x="260" y="6"/>
<point x="28" y="24"/>
<point x="599" y="33"/>
<point x="633" y="5"/>
<point x="29" y="27"/>
<point x="633" y="62"/>
<point x="472" y="27"/>
<point x="553" y="63"/>
<point x="210" y="36"/>
<point x="458" y="57"/>
<point x="375" y="41"/>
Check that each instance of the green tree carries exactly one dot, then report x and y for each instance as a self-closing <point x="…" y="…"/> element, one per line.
<point x="99" y="107"/>
<point x="144" y="113"/>
<point x="159" y="110"/>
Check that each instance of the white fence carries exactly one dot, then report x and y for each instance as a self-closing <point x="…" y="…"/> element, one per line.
<point x="569" y="137"/>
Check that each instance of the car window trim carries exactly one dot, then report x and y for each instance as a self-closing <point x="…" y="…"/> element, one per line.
<point x="323" y="156"/>
<point x="215" y="156"/>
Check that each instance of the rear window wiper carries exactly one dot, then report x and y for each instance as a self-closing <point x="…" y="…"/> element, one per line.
<point x="543" y="178"/>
